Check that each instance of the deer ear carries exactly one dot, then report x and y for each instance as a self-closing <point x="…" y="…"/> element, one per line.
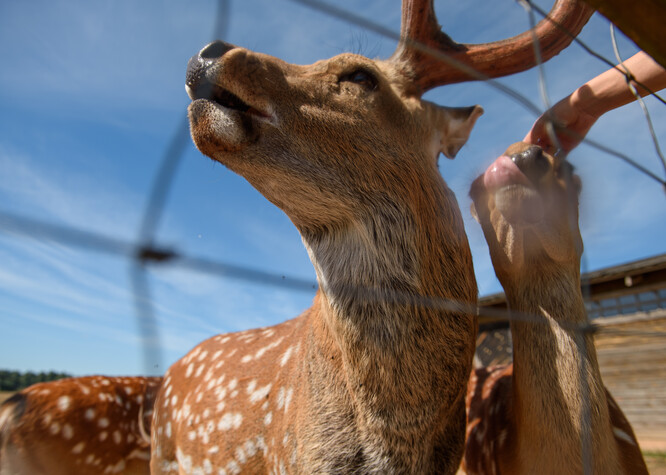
<point x="453" y="126"/>
<point x="475" y="215"/>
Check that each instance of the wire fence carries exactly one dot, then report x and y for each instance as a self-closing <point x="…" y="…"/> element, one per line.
<point x="146" y="249"/>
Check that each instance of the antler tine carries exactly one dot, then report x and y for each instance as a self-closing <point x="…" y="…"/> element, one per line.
<point x="431" y="58"/>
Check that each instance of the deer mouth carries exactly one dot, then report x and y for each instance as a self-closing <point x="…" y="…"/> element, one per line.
<point x="205" y="90"/>
<point x="516" y="196"/>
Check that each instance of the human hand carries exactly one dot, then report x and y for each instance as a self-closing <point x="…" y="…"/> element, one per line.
<point x="570" y="125"/>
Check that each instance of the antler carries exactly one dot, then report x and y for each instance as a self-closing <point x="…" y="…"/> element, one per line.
<point x="453" y="62"/>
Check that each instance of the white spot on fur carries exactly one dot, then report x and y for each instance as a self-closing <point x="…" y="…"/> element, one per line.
<point x="280" y="398"/>
<point x="268" y="419"/>
<point x="67" y="431"/>
<point x="230" y="420"/>
<point x="55" y="428"/>
<point x="261" y="444"/>
<point x="185" y="461"/>
<point x="240" y="455"/>
<point x="117" y="468"/>
<point x="287" y="398"/>
<point x="103" y="422"/>
<point x="286" y="355"/>
<point x="89" y="414"/>
<point x="139" y="454"/>
<point x="64" y="403"/>
<point x="117" y="438"/>
<point x="250" y="448"/>
<point x="260" y="393"/>
<point x="189" y="370"/>
<point x="78" y="448"/>
<point x="233" y="468"/>
<point x="103" y="435"/>
<point x="263" y="350"/>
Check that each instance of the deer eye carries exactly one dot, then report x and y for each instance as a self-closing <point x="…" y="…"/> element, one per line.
<point x="362" y="77"/>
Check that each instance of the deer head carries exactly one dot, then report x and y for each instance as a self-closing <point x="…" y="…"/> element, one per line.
<point x="527" y="204"/>
<point x="328" y="141"/>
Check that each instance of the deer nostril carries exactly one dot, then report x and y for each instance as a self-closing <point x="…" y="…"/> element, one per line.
<point x="195" y="78"/>
<point x="532" y="162"/>
<point x="215" y="50"/>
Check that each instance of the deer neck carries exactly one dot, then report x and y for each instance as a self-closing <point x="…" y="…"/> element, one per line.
<point x="557" y="386"/>
<point x="405" y="360"/>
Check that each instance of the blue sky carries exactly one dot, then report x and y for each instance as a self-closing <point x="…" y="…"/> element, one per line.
<point x="90" y="94"/>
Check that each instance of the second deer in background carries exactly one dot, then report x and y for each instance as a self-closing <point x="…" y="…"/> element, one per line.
<point x="86" y="426"/>
<point x="548" y="412"/>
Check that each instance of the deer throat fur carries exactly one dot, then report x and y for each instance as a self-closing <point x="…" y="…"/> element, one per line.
<point x="382" y="277"/>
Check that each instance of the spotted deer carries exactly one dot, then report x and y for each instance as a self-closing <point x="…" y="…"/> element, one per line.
<point x="86" y="426"/>
<point x="535" y="415"/>
<point x="366" y="380"/>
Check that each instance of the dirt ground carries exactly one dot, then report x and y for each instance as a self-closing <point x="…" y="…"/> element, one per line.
<point x="5" y="395"/>
<point x="656" y="462"/>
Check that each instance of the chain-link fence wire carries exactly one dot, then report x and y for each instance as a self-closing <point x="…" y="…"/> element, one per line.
<point x="146" y="250"/>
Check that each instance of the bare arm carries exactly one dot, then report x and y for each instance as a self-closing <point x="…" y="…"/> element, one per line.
<point x="581" y="109"/>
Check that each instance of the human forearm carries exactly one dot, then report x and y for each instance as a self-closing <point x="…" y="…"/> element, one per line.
<point x="609" y="90"/>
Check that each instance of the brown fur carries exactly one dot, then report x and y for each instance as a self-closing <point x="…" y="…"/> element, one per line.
<point x="528" y="417"/>
<point x="88" y="426"/>
<point x="367" y="380"/>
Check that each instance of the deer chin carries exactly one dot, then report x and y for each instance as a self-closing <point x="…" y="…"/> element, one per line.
<point x="216" y="128"/>
<point x="222" y="121"/>
<point x="520" y="205"/>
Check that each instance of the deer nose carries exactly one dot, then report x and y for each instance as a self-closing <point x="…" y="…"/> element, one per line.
<point x="215" y="50"/>
<point x="195" y="78"/>
<point x="532" y="162"/>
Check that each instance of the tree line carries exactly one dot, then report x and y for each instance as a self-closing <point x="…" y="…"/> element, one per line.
<point x="17" y="380"/>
